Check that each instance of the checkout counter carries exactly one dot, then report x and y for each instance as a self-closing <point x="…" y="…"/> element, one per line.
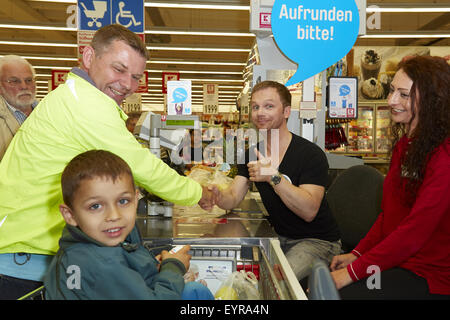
<point x="242" y="236"/>
<point x="241" y="239"/>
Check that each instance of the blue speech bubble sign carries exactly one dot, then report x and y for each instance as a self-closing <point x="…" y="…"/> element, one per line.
<point x="314" y="33"/>
<point x="344" y="90"/>
<point x="179" y="95"/>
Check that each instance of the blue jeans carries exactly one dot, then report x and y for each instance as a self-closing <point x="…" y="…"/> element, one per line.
<point x="196" y="291"/>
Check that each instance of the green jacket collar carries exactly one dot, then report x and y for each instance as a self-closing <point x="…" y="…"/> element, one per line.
<point x="85" y="76"/>
<point x="73" y="235"/>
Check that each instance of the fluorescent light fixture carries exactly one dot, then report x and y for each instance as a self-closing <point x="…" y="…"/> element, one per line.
<point x="406" y="8"/>
<point x="197" y="49"/>
<point x="158" y="91"/>
<point x="35" y="27"/>
<point x="404" y="36"/>
<point x="208" y="63"/>
<point x="44" y="44"/>
<point x="49" y="58"/>
<point x="198" y="72"/>
<point x="74" y="45"/>
<point x="194" y="6"/>
<point x="200" y="33"/>
<point x="52" y="67"/>
<point x="203" y="80"/>
<point x="57" y="1"/>
<point x="155" y="85"/>
<point x="153" y="31"/>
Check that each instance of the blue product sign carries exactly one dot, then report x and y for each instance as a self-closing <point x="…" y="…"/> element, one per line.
<point x="129" y="13"/>
<point x="179" y="95"/>
<point x="93" y="14"/>
<point x="344" y="90"/>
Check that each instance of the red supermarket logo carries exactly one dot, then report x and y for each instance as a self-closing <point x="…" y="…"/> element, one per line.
<point x="265" y="20"/>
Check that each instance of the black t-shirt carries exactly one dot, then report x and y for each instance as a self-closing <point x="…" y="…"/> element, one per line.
<point x="304" y="163"/>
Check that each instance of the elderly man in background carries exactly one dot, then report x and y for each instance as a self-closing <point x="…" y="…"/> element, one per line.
<point x="17" y="91"/>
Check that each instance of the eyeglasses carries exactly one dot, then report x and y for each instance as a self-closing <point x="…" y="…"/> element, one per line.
<point x="15" y="82"/>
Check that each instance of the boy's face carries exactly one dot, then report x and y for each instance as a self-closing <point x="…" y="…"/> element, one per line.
<point x="103" y="209"/>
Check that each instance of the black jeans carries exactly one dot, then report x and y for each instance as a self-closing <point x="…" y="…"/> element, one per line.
<point x="395" y="284"/>
<point x="13" y="288"/>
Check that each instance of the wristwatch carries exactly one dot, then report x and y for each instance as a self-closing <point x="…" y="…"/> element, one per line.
<point x="275" y="179"/>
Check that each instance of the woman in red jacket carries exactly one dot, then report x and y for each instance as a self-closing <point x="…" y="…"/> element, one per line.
<point x="410" y="240"/>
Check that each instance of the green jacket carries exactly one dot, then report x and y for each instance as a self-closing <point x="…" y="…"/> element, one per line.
<point x="71" y="119"/>
<point x="84" y="269"/>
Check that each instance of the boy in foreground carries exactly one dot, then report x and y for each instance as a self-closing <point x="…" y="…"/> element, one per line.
<point x="101" y="255"/>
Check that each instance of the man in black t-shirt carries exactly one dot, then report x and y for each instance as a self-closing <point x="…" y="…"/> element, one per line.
<point x="291" y="174"/>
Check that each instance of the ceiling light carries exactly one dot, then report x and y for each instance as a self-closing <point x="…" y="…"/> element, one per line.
<point x="52" y="67"/>
<point x="209" y="63"/>
<point x="200" y="33"/>
<point x="74" y="45"/>
<point x="195" y="6"/>
<point x="45" y="44"/>
<point x="197" y="49"/>
<point x="199" y="72"/>
<point x="406" y="8"/>
<point x="35" y="27"/>
<point x="404" y="35"/>
<point x="49" y="58"/>
<point x="205" y="80"/>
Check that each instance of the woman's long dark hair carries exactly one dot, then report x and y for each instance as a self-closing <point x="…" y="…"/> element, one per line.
<point x="430" y="101"/>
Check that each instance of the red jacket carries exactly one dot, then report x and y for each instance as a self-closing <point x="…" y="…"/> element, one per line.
<point x="414" y="237"/>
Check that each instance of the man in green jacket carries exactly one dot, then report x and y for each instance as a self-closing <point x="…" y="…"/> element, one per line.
<point x="80" y="115"/>
<point x="101" y="255"/>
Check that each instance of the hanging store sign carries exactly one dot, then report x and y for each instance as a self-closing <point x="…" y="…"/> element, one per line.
<point x="132" y="103"/>
<point x="94" y="14"/>
<point x="58" y="77"/>
<point x="179" y="96"/>
<point x="343" y="97"/>
<point x="169" y="76"/>
<point x="210" y="98"/>
<point x="143" y="83"/>
<point x="328" y="29"/>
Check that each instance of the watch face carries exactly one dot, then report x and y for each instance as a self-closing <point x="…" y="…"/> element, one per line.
<point x="275" y="179"/>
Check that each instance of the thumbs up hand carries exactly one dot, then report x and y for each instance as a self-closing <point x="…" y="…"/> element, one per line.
<point x="261" y="170"/>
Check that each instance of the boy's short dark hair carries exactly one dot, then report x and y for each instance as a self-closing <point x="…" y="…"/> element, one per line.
<point x="88" y="165"/>
<point x="283" y="92"/>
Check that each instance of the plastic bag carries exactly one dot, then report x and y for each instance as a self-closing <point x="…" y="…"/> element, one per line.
<point x="240" y="285"/>
<point x="200" y="175"/>
<point x="221" y="180"/>
<point x="206" y="176"/>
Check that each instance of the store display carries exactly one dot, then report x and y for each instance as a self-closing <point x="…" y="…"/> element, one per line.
<point x="370" y="64"/>
<point x="372" y="89"/>
<point x="383" y="117"/>
<point x="335" y="137"/>
<point x="360" y="131"/>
